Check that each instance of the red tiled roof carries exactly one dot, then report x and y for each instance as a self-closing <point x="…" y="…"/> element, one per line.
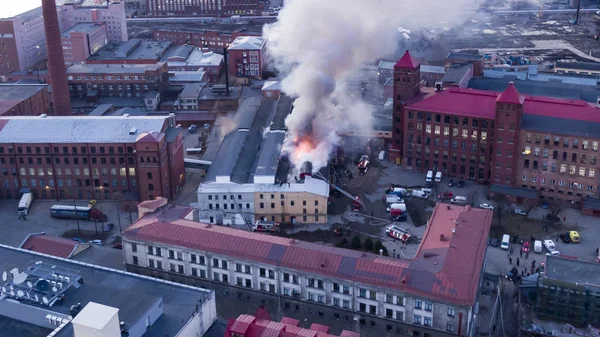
<point x="510" y="95"/>
<point x="407" y="61"/>
<point x="482" y="104"/>
<point x="451" y="275"/>
<point x="290" y="321"/>
<point x="51" y="245"/>
<point x="463" y="102"/>
<point x="242" y="324"/>
<point x="267" y="328"/>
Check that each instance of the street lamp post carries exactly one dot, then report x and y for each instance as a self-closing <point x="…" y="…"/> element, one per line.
<point x="37" y="64"/>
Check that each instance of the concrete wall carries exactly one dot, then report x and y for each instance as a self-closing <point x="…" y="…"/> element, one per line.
<point x="202" y="320"/>
<point x="27" y="313"/>
<point x="227" y="216"/>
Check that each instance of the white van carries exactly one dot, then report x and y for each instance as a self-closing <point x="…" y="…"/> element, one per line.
<point x="505" y="241"/>
<point x="429" y="177"/>
<point x="420" y="194"/>
<point x="382" y="155"/>
<point x="392" y="199"/>
<point x="459" y="200"/>
<point x="537" y="246"/>
<point x="400" y="206"/>
<point x="438" y="177"/>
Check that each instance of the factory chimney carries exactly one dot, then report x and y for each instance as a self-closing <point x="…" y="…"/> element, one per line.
<point x="61" y="99"/>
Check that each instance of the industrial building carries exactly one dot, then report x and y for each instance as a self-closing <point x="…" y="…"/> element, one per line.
<point x="527" y="147"/>
<point x="247" y="57"/>
<point x="209" y="8"/>
<point x="568" y="291"/>
<point x="189" y="58"/>
<point x="250" y="178"/>
<point x="214" y="39"/>
<point x="134" y="51"/>
<point x="43" y="295"/>
<point x="23" y="35"/>
<point x="91" y="157"/>
<point x="433" y="294"/>
<point x="118" y="80"/>
<point x="24" y="99"/>
<point x="83" y="40"/>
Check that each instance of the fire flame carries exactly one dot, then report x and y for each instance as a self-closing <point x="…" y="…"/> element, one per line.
<point x="303" y="147"/>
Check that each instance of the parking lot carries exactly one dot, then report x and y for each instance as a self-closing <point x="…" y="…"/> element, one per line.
<point x="13" y="231"/>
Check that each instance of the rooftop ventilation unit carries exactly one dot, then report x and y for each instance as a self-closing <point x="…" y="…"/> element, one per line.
<point x="132" y="131"/>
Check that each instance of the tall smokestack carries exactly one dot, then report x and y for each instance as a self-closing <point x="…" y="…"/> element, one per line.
<point x="61" y="99"/>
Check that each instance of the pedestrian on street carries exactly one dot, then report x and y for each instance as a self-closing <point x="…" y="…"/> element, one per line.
<point x="527" y="256"/>
<point x="557" y="236"/>
<point x="521" y="252"/>
<point x="510" y="260"/>
<point x="517" y="261"/>
<point x="546" y="229"/>
<point x="533" y="263"/>
<point x="511" y="250"/>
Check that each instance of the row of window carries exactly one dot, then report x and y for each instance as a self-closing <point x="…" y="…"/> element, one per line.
<point x="566" y="142"/>
<point x="455" y="131"/>
<point x="76" y="172"/>
<point x="65" y="149"/>
<point x="110" y="77"/>
<point x="446" y="142"/>
<point x="433" y="117"/>
<point x="72" y="183"/>
<point x="542" y="180"/>
<point x="527" y="150"/>
<point x="572" y="169"/>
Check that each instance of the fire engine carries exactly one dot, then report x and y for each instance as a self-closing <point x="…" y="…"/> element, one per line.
<point x="264" y="226"/>
<point x="363" y="164"/>
<point x="398" y="233"/>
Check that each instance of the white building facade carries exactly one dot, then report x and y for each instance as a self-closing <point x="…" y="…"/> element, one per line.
<point x="372" y="309"/>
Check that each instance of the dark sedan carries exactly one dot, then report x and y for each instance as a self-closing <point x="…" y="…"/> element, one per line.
<point x="565" y="237"/>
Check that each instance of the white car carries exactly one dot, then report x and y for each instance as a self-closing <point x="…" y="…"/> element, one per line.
<point x="487" y="206"/>
<point x="520" y="211"/>
<point x="553" y="253"/>
<point x="549" y="245"/>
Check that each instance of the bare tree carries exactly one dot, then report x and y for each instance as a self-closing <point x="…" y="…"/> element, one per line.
<point x="555" y="206"/>
<point x="118" y="197"/>
<point x="502" y="204"/>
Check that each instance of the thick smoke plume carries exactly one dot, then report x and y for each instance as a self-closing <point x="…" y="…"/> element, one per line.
<point x="319" y="45"/>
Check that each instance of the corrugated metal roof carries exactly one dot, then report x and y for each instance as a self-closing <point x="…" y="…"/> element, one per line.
<point x="105" y="129"/>
<point x="283" y="109"/>
<point x="452" y="273"/>
<point x="116" y="69"/>
<point x="268" y="160"/>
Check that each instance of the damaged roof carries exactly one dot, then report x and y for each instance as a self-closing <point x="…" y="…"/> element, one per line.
<point x="447" y="266"/>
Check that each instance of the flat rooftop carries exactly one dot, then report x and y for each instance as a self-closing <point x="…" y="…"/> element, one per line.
<point x="447" y="266"/>
<point x="572" y="271"/>
<point x="19" y="92"/>
<point x="22" y="329"/>
<point x="85" y="27"/>
<point x="26" y="16"/>
<point x="132" y="294"/>
<point x="247" y="43"/>
<point x="78" y="129"/>
<point x="116" y="69"/>
<point x="134" y="49"/>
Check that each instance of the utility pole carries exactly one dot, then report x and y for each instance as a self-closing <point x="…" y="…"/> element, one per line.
<point x="519" y="311"/>
<point x="76" y="216"/>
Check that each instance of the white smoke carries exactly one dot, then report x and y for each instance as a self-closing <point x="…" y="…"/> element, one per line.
<point x="319" y="45"/>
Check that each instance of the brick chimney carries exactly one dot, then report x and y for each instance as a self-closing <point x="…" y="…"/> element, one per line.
<point x="61" y="98"/>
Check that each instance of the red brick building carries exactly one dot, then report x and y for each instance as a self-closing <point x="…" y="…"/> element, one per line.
<point x="119" y="80"/>
<point x="527" y="147"/>
<point x="83" y="40"/>
<point x="214" y="40"/>
<point x="246" y="57"/>
<point x="91" y="157"/>
<point x="24" y="99"/>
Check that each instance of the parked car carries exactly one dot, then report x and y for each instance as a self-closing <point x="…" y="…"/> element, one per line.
<point x="77" y="240"/>
<point x="108" y="227"/>
<point x="520" y="211"/>
<point x="461" y="183"/>
<point x="487" y="206"/>
<point x="574" y="236"/>
<point x="445" y="195"/>
<point x="451" y="182"/>
<point x="118" y="246"/>
<point x="494" y="242"/>
<point x="97" y="242"/>
<point x="565" y="237"/>
<point x="549" y="245"/>
<point x="526" y="247"/>
<point x="553" y="253"/>
<point x="551" y="217"/>
<point x="400" y="218"/>
<point x="512" y="274"/>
